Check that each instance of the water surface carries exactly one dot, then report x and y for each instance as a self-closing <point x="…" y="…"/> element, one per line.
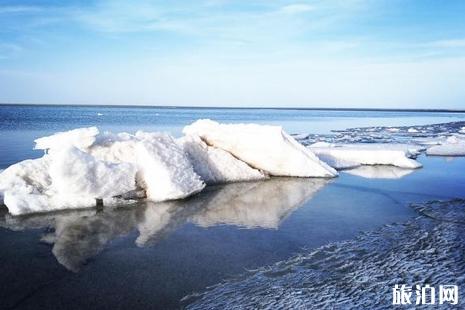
<point x="151" y="255"/>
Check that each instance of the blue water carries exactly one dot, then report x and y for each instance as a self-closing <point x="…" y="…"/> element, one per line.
<point x="20" y="125"/>
<point x="151" y="255"/>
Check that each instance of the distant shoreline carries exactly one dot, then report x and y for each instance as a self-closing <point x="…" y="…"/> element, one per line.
<point x="235" y="108"/>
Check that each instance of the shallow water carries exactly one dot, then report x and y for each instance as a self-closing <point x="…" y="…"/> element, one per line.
<point x="152" y="255"/>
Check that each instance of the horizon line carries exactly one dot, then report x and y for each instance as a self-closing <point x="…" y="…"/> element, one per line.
<point x="438" y="110"/>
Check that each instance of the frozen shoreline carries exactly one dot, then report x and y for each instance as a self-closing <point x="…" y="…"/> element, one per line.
<point x="83" y="166"/>
<point x="357" y="273"/>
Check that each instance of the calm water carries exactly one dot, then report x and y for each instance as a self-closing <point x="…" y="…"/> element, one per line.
<point x="151" y="255"/>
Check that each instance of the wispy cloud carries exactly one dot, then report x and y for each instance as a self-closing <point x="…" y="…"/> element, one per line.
<point x="454" y="43"/>
<point x="8" y="50"/>
<point x="18" y="9"/>
<point x="272" y="51"/>
<point x="297" y="8"/>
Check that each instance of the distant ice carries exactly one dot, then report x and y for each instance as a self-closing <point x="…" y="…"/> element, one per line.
<point x="452" y="146"/>
<point x="267" y="148"/>
<point x="378" y="134"/>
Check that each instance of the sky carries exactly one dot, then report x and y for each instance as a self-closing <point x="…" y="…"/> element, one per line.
<point x="254" y="53"/>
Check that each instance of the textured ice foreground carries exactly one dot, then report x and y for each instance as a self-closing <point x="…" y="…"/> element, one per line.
<point x="267" y="148"/>
<point x="341" y="156"/>
<point x="359" y="273"/>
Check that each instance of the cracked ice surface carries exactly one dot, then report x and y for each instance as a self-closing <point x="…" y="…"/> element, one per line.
<point x="358" y="273"/>
<point x="423" y="134"/>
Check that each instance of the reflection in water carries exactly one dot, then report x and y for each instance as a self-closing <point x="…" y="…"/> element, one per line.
<point x="257" y="204"/>
<point x="78" y="239"/>
<point x="380" y="172"/>
<point x="77" y="236"/>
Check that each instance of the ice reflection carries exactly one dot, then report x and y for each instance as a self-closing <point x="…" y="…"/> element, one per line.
<point x="77" y="236"/>
<point x="380" y="172"/>
<point x="257" y="204"/>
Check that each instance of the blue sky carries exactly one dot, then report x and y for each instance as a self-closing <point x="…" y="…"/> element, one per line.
<point x="352" y="53"/>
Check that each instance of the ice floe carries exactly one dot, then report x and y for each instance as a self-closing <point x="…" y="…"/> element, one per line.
<point x="452" y="146"/>
<point x="343" y="156"/>
<point x="268" y="148"/>
<point x="378" y="134"/>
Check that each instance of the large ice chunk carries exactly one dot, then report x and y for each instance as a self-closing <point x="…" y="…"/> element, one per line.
<point x="341" y="156"/>
<point x="215" y="165"/>
<point x="64" y="179"/>
<point x="81" y="138"/>
<point x="267" y="148"/>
